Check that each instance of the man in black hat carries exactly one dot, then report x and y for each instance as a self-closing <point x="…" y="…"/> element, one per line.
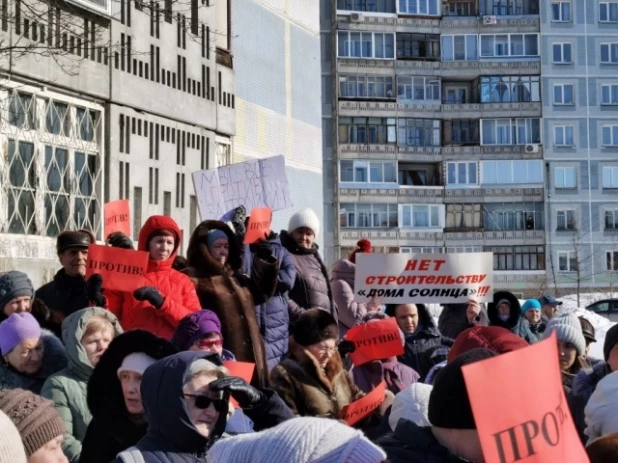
<point x="549" y="307"/>
<point x="589" y="335"/>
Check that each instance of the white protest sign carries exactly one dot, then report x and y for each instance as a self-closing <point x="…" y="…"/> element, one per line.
<point x="424" y="278"/>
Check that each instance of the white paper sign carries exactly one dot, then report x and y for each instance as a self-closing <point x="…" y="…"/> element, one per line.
<point x="424" y="278"/>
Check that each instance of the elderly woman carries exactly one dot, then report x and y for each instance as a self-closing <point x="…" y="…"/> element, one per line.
<point x="201" y="331"/>
<point x="16" y="293"/>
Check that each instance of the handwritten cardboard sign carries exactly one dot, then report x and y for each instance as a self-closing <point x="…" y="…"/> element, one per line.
<point x="534" y="425"/>
<point x="425" y="278"/>
<point x="243" y="370"/>
<point x="254" y="183"/>
<point x="117" y="217"/>
<point x="375" y="341"/>
<point x="259" y="224"/>
<point x="121" y="269"/>
<point x="364" y="407"/>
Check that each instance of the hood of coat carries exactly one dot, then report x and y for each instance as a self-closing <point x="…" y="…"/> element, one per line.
<point x="154" y="223"/>
<point x="344" y="270"/>
<point x="293" y="247"/>
<point x="73" y="328"/>
<point x="492" y="310"/>
<point x="164" y="402"/>
<point x="586" y="380"/>
<point x="199" y="256"/>
<point x="309" y="363"/>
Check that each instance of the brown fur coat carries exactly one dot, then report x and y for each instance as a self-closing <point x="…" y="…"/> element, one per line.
<point x="233" y="295"/>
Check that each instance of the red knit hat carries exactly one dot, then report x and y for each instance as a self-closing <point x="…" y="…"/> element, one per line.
<point x="363" y="245"/>
<point x="494" y="338"/>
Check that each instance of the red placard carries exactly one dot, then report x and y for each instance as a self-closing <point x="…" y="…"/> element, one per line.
<point x="121" y="269"/>
<point x="117" y="217"/>
<point x="259" y="224"/>
<point x="534" y="423"/>
<point x="364" y="407"/>
<point x="243" y="370"/>
<point x="375" y="341"/>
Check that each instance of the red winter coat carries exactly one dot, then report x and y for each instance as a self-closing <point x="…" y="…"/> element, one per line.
<point x="180" y="296"/>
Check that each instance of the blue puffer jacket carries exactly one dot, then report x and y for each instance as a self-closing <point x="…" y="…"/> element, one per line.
<point x="273" y="317"/>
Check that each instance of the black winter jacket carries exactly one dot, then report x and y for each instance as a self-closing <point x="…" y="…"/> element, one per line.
<point x="453" y="320"/>
<point x="516" y="323"/>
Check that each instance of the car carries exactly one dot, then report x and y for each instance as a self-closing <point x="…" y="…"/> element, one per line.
<point x="606" y="307"/>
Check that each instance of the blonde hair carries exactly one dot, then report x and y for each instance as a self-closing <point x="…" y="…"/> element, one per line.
<point x="97" y="323"/>
<point x="203" y="367"/>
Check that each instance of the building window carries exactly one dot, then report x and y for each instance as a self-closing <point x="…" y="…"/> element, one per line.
<point x="421" y="216"/>
<point x="459" y="48"/>
<point x="421" y="250"/>
<point x="365" y="86"/>
<point x="509" y="7"/>
<point x="223" y="154"/>
<point x="368" y="215"/>
<point x="418" y="46"/>
<point x="563" y="94"/>
<point x="57" y="119"/>
<point x="86" y="172"/>
<point x="611" y="219"/>
<point x="510" y="89"/>
<point x="459" y="8"/>
<point x="567" y="261"/>
<point x="518" y="257"/>
<point x="418" y="175"/>
<point x="608" y="12"/>
<point x="609" y="94"/>
<point x="513" y="216"/>
<point x="610" y="135"/>
<point x="22" y="110"/>
<point x="87" y="123"/>
<point x="562" y="53"/>
<point x="512" y="172"/>
<point x="463" y="216"/>
<point x="500" y="45"/>
<point x="610" y="177"/>
<point x="22" y="186"/>
<point x="611" y="261"/>
<point x="609" y="53"/>
<point x="419" y="7"/>
<point x="564" y="178"/>
<point x="461" y="132"/>
<point x="510" y="131"/>
<point x="563" y="135"/>
<point x="373" y="6"/>
<point x="367" y="172"/>
<point x="418" y="132"/>
<point x="565" y="220"/>
<point x="561" y="12"/>
<point x="367" y="130"/>
<point x="461" y="173"/>
<point x="365" y="45"/>
<point x="463" y="249"/>
<point x="411" y="89"/>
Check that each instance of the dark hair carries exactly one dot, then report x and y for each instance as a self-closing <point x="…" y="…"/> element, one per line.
<point x="390" y="309"/>
<point x="180" y="263"/>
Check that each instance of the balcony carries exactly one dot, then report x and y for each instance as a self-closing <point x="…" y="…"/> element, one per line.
<point x="496" y="238"/>
<point x="472" y="69"/>
<point x="373" y="66"/>
<point x="421" y="194"/>
<point x="419" y="25"/>
<point x="488" y="110"/>
<point x="455" y="153"/>
<point x="417" y="195"/>
<point x="367" y="22"/>
<point x="493" y="195"/>
<point x="367" y="109"/>
<point x="390" y="237"/>
<point x="388" y="152"/>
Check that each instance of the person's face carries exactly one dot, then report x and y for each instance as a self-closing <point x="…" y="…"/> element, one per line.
<point x="161" y="247"/>
<point x="504" y="309"/>
<point x="96" y="344"/>
<point x="219" y="250"/>
<point x="323" y="351"/>
<point x="130" y="382"/>
<point x="73" y="260"/>
<point x="211" y="343"/>
<point x="304" y="237"/>
<point x="533" y="316"/>
<point x="17" y="305"/>
<point x="612" y="360"/>
<point x="49" y="453"/>
<point x="204" y="419"/>
<point x="567" y="354"/>
<point x="407" y="317"/>
<point x="549" y="310"/>
<point x="27" y="356"/>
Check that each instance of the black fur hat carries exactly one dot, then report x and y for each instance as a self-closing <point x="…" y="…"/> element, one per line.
<point x="315" y="326"/>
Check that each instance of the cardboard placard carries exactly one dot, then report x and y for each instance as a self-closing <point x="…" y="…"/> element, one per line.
<point x="424" y="278"/>
<point x="121" y="269"/>
<point x="375" y="341"/>
<point x="364" y="407"/>
<point x="117" y="217"/>
<point x="534" y="424"/>
<point x="243" y="370"/>
<point x="258" y="226"/>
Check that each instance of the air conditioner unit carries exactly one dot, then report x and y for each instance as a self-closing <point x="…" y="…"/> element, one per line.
<point x="487" y="20"/>
<point x="356" y="17"/>
<point x="531" y="148"/>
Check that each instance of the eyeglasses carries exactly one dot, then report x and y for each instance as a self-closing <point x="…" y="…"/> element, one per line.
<point x="208" y="343"/>
<point x="203" y="402"/>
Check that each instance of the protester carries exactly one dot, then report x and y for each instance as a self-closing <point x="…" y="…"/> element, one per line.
<point x="215" y="269"/>
<point x="114" y="397"/>
<point x="16" y="293"/>
<point x="531" y="311"/>
<point x="86" y="335"/>
<point x="590" y="337"/>
<point x="201" y="331"/>
<point x="604" y="449"/>
<point x="431" y="362"/>
<point x="494" y="338"/>
<point x="601" y="412"/>
<point x="29" y="355"/>
<point x="311" y="288"/>
<point x="66" y="293"/>
<point x="453" y="436"/>
<point x="411" y="404"/>
<point x="167" y="295"/>
<point x="505" y="311"/>
<point x="38" y="423"/>
<point x="299" y="440"/>
<point x="342" y="286"/>
<point x="419" y="329"/>
<point x="185" y="400"/>
<point x="11" y="448"/>
<point x="549" y="307"/>
<point x="456" y="318"/>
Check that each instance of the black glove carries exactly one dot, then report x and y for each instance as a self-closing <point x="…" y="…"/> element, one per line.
<point x="119" y="240"/>
<point x="246" y="395"/>
<point x="94" y="290"/>
<point x="150" y="294"/>
<point x="263" y="249"/>
<point x="238" y="220"/>
<point x="346" y="347"/>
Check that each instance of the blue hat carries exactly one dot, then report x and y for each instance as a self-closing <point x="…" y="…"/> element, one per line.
<point x="214" y="235"/>
<point x="548" y="300"/>
<point x="530" y="304"/>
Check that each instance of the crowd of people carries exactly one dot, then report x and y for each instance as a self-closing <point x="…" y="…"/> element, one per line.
<point x="95" y="375"/>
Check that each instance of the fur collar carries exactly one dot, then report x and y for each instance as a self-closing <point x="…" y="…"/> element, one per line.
<point x="585" y="382"/>
<point x="310" y="365"/>
<point x="201" y="262"/>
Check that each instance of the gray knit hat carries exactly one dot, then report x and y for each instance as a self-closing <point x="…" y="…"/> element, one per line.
<point x="568" y="329"/>
<point x="14" y="284"/>
<point x="299" y="440"/>
<point x="11" y="448"/>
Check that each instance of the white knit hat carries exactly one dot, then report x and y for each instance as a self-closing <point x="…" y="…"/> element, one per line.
<point x="136" y="362"/>
<point x="602" y="409"/>
<point x="11" y="448"/>
<point x="411" y="404"/>
<point x="299" y="440"/>
<point x="568" y="329"/>
<point x="304" y="218"/>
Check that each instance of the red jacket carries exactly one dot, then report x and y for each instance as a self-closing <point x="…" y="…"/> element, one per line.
<point x="180" y="296"/>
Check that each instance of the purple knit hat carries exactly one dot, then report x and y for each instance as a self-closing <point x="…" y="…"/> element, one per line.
<point x="195" y="326"/>
<point x="16" y="328"/>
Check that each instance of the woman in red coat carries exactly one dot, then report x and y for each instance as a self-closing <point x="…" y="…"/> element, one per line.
<point x="167" y="295"/>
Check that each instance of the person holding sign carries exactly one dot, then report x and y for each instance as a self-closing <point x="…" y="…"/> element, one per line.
<point x="505" y="311"/>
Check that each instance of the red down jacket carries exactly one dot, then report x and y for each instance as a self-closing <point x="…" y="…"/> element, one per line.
<point x="180" y="296"/>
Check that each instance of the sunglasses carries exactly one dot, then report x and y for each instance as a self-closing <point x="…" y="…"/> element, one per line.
<point x="209" y="343"/>
<point x="203" y="402"/>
